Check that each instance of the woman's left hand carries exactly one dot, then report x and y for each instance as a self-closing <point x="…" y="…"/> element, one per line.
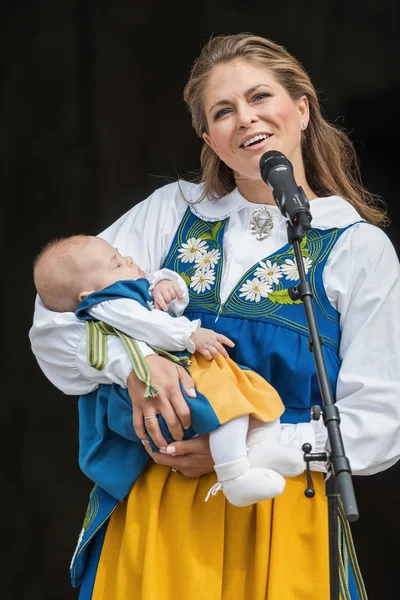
<point x="191" y="457"/>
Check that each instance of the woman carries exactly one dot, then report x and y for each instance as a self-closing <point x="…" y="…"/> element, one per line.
<point x="247" y="95"/>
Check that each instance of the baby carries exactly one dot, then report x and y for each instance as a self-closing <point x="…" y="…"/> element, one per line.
<point x="249" y="460"/>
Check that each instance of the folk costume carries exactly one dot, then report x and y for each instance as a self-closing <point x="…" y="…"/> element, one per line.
<point x="163" y="541"/>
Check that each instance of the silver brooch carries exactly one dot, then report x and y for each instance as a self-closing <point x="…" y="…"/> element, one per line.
<point x="261" y="223"/>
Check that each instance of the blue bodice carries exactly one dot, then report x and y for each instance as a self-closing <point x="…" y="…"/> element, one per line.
<point x="269" y="328"/>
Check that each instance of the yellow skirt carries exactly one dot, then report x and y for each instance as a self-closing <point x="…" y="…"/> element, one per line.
<point x="164" y="542"/>
<point x="233" y="392"/>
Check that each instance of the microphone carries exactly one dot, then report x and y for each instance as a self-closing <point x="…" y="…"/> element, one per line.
<point x="277" y="172"/>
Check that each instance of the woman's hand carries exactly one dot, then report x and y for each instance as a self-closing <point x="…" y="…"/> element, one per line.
<point x="192" y="457"/>
<point x="169" y="402"/>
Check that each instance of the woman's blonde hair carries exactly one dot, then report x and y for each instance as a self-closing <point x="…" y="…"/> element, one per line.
<point x="330" y="160"/>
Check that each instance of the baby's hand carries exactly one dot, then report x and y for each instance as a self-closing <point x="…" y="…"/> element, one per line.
<point x="164" y="292"/>
<point x="209" y="343"/>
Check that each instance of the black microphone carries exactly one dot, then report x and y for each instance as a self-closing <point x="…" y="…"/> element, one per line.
<point x="277" y="172"/>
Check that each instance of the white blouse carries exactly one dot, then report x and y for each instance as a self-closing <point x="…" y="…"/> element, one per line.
<point x="362" y="282"/>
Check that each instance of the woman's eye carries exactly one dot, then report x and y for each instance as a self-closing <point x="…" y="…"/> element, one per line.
<point x="221" y="113"/>
<point x="260" y="97"/>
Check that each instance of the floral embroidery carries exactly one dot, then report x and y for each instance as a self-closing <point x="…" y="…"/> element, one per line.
<point x="207" y="260"/>
<point x="255" y="289"/>
<point x="202" y="281"/>
<point x="192" y="250"/>
<point x="201" y="275"/>
<point x="270" y="272"/>
<point x="290" y="268"/>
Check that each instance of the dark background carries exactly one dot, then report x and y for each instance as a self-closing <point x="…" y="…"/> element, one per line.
<point x="92" y="120"/>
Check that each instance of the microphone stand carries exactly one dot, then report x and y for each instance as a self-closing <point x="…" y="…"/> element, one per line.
<point x="338" y="481"/>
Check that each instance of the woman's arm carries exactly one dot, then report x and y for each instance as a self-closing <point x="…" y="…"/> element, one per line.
<point x="365" y="285"/>
<point x="362" y="281"/>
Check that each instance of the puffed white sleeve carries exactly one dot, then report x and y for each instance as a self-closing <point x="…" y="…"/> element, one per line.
<point x="176" y="307"/>
<point x="362" y="281"/>
<point x="364" y="284"/>
<point x="155" y="327"/>
<point x="58" y="339"/>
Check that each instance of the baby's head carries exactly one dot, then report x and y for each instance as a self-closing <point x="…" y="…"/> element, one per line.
<point x="68" y="269"/>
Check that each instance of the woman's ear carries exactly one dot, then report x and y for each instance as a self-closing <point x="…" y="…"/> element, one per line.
<point x="304" y="109"/>
<point x="210" y="143"/>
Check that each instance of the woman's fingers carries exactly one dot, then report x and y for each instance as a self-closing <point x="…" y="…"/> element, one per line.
<point x="191" y="457"/>
<point x="169" y="402"/>
<point x="152" y="427"/>
<point x="187" y="383"/>
<point x="170" y="417"/>
<point x="181" y="409"/>
<point x="138" y="423"/>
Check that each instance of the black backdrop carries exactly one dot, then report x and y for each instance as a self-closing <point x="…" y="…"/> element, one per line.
<point x="92" y="120"/>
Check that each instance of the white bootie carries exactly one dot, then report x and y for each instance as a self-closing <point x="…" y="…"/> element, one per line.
<point x="265" y="451"/>
<point x="243" y="485"/>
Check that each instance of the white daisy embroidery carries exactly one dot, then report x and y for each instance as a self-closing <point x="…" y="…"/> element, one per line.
<point x="290" y="268"/>
<point x="207" y="261"/>
<point x="194" y="248"/>
<point x="202" y="281"/>
<point x="255" y="289"/>
<point x="268" y="272"/>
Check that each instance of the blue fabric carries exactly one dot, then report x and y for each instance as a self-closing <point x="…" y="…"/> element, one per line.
<point x="110" y="453"/>
<point x="271" y="336"/>
<point x="92" y="561"/>
<point x="135" y="289"/>
<point x="100" y="507"/>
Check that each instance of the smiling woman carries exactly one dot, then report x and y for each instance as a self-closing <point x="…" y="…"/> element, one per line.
<point x="258" y="115"/>
<point x="227" y="239"/>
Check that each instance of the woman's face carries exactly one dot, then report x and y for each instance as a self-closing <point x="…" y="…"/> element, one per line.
<point x="248" y="112"/>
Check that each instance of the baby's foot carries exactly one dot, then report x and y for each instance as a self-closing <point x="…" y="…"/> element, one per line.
<point x="267" y="453"/>
<point x="243" y="485"/>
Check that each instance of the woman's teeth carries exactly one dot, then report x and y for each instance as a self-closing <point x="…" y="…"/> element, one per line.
<point x="254" y="139"/>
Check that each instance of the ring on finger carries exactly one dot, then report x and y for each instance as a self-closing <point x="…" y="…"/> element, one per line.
<point x="150" y="417"/>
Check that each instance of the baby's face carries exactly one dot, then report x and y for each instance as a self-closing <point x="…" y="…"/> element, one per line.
<point x="104" y="265"/>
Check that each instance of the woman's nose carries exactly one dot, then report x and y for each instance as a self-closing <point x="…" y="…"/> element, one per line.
<point x="246" y="116"/>
<point x="129" y="260"/>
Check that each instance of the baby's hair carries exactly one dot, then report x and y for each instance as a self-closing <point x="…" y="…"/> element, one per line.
<point x="55" y="272"/>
